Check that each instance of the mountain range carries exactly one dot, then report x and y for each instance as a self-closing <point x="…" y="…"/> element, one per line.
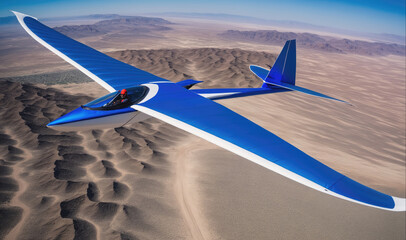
<point x="314" y="41"/>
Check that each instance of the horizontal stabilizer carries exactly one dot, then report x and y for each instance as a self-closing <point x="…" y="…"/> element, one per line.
<point x="303" y="90"/>
<point x="261" y="72"/>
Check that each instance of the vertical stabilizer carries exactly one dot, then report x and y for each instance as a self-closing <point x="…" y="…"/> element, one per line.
<point x="283" y="72"/>
<point x="284" y="69"/>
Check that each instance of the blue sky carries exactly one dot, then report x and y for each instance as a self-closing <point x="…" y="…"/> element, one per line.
<point x="376" y="16"/>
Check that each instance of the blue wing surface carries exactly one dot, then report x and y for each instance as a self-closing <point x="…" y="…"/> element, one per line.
<point x="107" y="71"/>
<point x="225" y="128"/>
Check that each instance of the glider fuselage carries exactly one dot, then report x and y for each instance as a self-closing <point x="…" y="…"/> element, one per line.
<point x="104" y="112"/>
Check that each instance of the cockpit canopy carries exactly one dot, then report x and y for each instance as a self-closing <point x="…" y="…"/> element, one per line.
<point x="109" y="102"/>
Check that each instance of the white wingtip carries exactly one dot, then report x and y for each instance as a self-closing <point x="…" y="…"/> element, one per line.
<point x="400" y="204"/>
<point x="21" y="15"/>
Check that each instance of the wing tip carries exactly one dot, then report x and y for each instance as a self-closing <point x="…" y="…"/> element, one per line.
<point x="343" y="101"/>
<point x="400" y="204"/>
<point x="21" y="15"/>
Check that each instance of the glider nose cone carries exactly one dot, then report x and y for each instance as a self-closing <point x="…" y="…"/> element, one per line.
<point x="57" y="122"/>
<point x="86" y="119"/>
<point x="75" y="115"/>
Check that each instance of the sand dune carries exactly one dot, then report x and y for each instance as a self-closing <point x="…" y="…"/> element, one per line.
<point x="93" y="184"/>
<point x="153" y="181"/>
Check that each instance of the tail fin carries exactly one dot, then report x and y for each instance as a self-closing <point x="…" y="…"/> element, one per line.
<point x="283" y="72"/>
<point x="284" y="69"/>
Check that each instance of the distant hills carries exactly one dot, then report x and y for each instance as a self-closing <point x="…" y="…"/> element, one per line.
<point x="294" y="25"/>
<point x="107" y="23"/>
<point x="317" y="42"/>
<point x="8" y="20"/>
<point x="13" y="20"/>
<point x="121" y="24"/>
<point x="241" y="19"/>
<point x="91" y="16"/>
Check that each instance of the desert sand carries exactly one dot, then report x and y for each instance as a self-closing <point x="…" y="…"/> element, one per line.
<point x="153" y="181"/>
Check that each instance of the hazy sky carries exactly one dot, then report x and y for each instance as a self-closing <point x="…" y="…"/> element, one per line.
<point x="377" y="16"/>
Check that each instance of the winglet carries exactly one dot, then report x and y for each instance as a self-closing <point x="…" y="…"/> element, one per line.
<point x="21" y="16"/>
<point x="400" y="204"/>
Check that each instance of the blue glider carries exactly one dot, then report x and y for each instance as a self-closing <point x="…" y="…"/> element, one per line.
<point x="194" y="111"/>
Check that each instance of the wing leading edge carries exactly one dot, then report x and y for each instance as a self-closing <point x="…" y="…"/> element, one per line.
<point x="107" y="71"/>
<point x="227" y="129"/>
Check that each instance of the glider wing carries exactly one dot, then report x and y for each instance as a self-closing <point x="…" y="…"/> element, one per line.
<point x="107" y="71"/>
<point x="217" y="124"/>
